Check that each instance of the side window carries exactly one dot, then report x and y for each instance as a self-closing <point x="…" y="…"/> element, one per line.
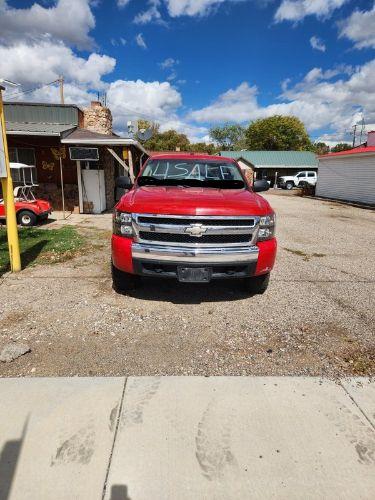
<point x="22" y="155"/>
<point x="301" y="174"/>
<point x="310" y="174"/>
<point x="26" y="155"/>
<point x="12" y="155"/>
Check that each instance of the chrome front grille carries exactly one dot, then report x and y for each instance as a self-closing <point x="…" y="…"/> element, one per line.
<point x="195" y="231"/>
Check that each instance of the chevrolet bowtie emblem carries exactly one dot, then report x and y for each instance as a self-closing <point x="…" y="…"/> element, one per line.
<point x="196" y="230"/>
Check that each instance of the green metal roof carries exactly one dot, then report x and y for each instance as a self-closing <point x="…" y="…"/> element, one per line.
<point x="49" y="129"/>
<point x="277" y="158"/>
<point x="27" y="112"/>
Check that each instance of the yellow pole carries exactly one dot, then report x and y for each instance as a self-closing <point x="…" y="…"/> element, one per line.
<point x="8" y="196"/>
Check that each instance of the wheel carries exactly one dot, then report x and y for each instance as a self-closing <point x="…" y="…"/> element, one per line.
<point x="123" y="282"/>
<point x="26" y="218"/>
<point x="257" y="284"/>
<point x="289" y="185"/>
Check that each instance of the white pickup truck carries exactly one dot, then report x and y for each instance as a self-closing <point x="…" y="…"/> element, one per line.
<point x="305" y="177"/>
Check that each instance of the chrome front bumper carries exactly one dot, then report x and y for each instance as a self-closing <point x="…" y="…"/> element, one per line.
<point x="198" y="255"/>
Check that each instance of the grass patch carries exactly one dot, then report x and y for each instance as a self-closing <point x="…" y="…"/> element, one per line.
<point x="42" y="246"/>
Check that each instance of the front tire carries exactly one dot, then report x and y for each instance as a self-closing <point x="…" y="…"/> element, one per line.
<point x="289" y="185"/>
<point x="257" y="285"/>
<point x="26" y="218"/>
<point x="123" y="282"/>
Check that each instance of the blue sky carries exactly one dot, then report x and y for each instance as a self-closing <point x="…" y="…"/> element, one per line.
<point x="191" y="64"/>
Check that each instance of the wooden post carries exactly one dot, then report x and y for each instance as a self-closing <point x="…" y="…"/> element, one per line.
<point x="8" y="195"/>
<point x="62" y="187"/>
<point x="80" y="194"/>
<point x="131" y="166"/>
<point x="61" y="81"/>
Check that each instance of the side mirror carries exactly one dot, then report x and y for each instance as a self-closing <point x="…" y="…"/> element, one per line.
<point x="259" y="186"/>
<point x="123" y="182"/>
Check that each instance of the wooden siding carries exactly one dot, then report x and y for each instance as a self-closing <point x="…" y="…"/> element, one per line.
<point x="349" y="179"/>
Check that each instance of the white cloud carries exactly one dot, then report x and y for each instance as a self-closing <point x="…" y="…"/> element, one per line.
<point x="73" y="94"/>
<point x="152" y="13"/>
<point x="122" y="3"/>
<point x="317" y="44"/>
<point x="121" y="41"/>
<point x="360" y="28"/>
<point x="155" y="101"/>
<point x="69" y="21"/>
<point x="237" y="104"/>
<point x="169" y="63"/>
<point x="152" y="100"/>
<point x="178" y="8"/>
<point x="296" y="10"/>
<point x="44" y="61"/>
<point x="140" y="41"/>
<point x="331" y="99"/>
<point x="194" y="133"/>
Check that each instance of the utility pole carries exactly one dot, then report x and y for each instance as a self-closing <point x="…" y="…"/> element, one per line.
<point x="61" y="82"/>
<point x="8" y="195"/>
<point x="354" y="134"/>
<point x="362" y="129"/>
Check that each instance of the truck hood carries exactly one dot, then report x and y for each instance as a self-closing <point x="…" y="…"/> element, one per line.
<point x="174" y="200"/>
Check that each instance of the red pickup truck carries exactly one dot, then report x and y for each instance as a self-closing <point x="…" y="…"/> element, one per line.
<point x="194" y="218"/>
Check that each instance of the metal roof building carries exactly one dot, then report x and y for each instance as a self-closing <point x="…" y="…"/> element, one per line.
<point x="43" y="134"/>
<point x="349" y="175"/>
<point x="26" y="118"/>
<point x="271" y="164"/>
<point x="276" y="159"/>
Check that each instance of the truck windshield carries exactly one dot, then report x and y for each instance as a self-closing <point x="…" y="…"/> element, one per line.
<point x="191" y="173"/>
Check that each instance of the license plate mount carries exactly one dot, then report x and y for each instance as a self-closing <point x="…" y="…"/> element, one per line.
<point x="194" y="274"/>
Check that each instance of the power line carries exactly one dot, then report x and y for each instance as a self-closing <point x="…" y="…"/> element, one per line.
<point x="27" y="91"/>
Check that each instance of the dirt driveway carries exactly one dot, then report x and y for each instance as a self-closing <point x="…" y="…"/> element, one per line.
<point x="317" y="317"/>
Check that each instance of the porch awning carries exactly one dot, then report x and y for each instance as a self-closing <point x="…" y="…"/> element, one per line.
<point x="86" y="137"/>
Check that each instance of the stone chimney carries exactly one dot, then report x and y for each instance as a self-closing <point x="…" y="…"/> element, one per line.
<point x="97" y="118"/>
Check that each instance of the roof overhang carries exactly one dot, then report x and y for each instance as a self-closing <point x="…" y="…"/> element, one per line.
<point x="23" y="132"/>
<point x="53" y="130"/>
<point x="118" y="141"/>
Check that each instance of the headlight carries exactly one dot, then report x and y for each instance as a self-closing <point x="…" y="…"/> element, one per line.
<point x="122" y="224"/>
<point x="267" y="227"/>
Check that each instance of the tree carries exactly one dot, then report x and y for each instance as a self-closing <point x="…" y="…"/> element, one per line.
<point x="277" y="133"/>
<point x="321" y="148"/>
<point x="202" y="147"/>
<point x="227" y="136"/>
<point x="170" y="140"/>
<point x="145" y="124"/>
<point x="341" y="146"/>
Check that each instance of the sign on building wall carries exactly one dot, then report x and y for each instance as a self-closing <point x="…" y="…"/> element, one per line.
<point x="84" y="154"/>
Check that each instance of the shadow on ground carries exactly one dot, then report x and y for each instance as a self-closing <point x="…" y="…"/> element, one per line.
<point x="27" y="256"/>
<point x="9" y="458"/>
<point x="186" y="293"/>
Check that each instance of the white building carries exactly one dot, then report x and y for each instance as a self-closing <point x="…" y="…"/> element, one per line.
<point x="349" y="175"/>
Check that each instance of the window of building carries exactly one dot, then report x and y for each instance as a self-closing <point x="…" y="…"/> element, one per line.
<point x="22" y="155"/>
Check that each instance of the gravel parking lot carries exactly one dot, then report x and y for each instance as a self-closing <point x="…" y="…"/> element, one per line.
<point x="317" y="317"/>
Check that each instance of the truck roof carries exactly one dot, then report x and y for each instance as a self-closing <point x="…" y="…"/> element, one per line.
<point x="189" y="156"/>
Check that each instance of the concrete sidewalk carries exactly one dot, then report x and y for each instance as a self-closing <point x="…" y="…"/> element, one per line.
<point x="146" y="438"/>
